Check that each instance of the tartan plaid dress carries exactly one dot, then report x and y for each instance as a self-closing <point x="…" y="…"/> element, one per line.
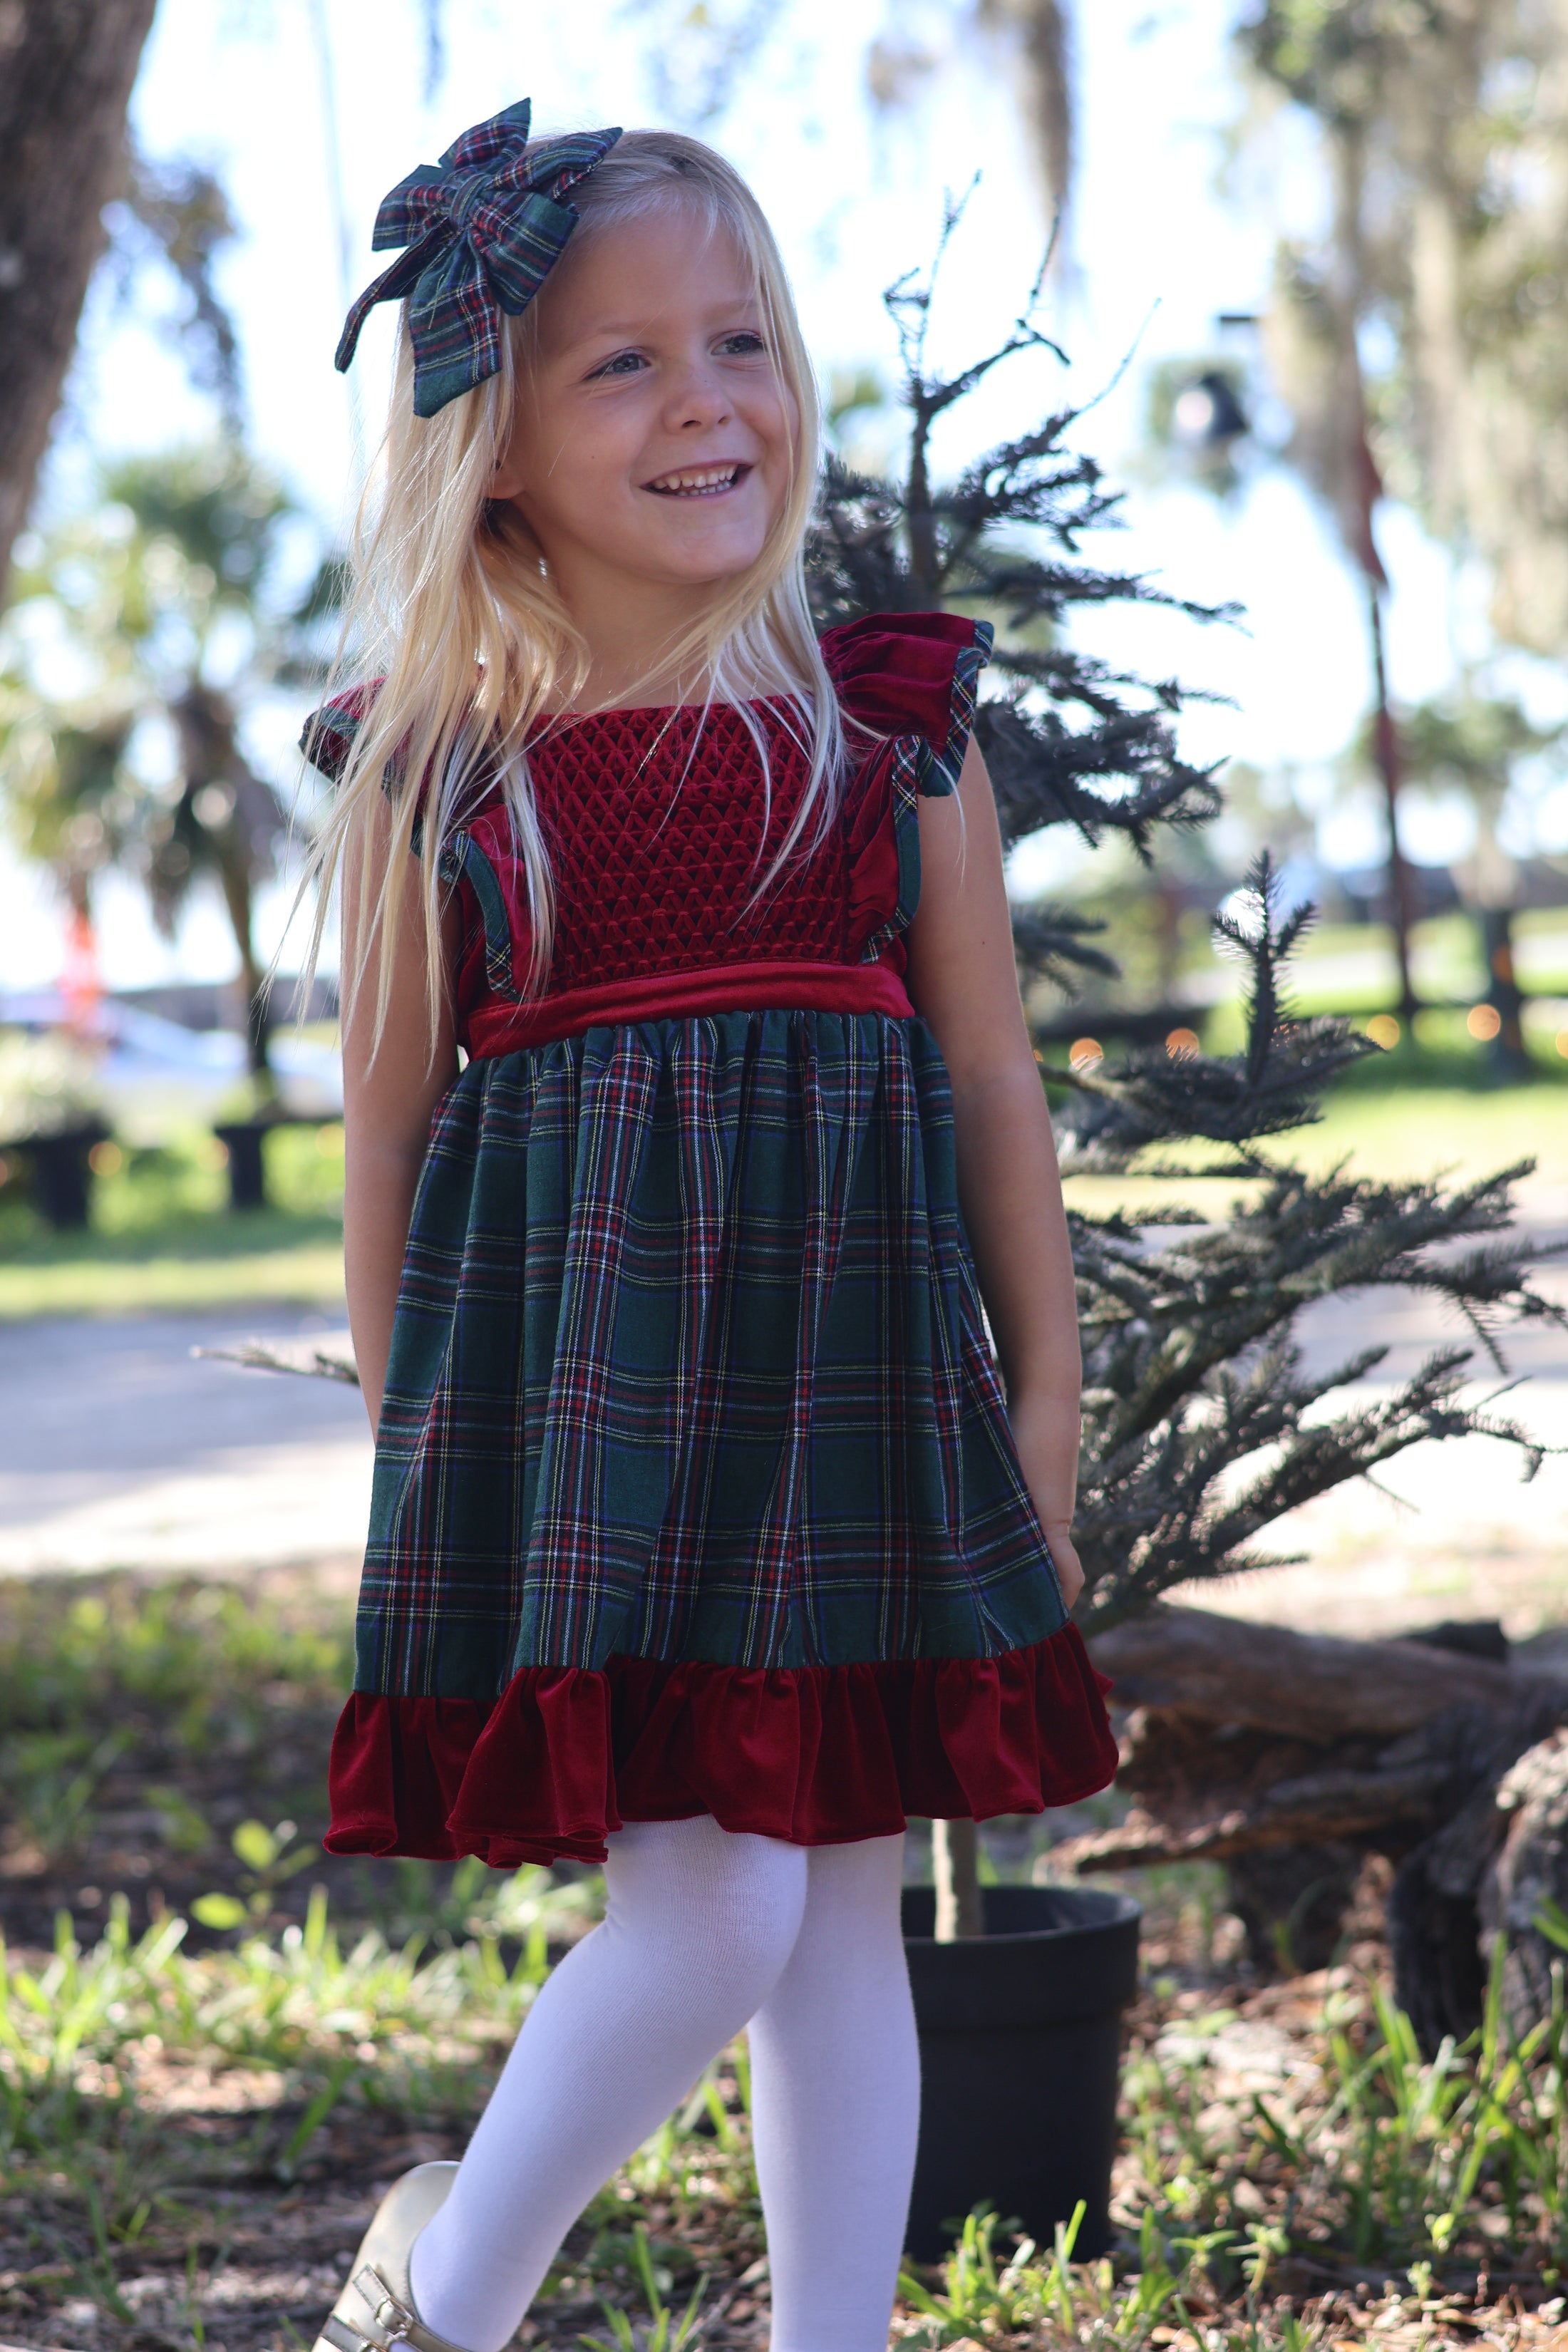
<point x="694" y="1489"/>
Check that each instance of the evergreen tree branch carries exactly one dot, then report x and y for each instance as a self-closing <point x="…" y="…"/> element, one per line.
<point x="1164" y="1509"/>
<point x="1200" y="1429"/>
<point x="1050" y="943"/>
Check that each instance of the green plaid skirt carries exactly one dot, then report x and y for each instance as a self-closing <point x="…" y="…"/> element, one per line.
<point x="690" y="1364"/>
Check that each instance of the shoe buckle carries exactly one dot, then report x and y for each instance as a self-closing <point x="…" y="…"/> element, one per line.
<point x="392" y="2317"/>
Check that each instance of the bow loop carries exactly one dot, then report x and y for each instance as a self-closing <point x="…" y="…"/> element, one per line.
<point x="481" y="229"/>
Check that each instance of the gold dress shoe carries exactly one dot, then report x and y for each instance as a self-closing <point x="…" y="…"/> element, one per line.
<point x="375" y="2309"/>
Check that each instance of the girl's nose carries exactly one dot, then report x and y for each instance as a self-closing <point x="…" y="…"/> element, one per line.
<point x="699" y="402"/>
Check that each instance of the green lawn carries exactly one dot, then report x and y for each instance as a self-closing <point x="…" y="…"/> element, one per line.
<point x="178" y="1278"/>
<point x="1387" y="1132"/>
<point x="1415" y="1130"/>
<point x="163" y="1237"/>
<point x="1351" y="968"/>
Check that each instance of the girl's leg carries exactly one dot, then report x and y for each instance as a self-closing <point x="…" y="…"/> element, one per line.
<point x="836" y="2105"/>
<point x="698" y="1925"/>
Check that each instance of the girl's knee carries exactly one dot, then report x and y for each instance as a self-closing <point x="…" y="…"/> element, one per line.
<point x="733" y="1903"/>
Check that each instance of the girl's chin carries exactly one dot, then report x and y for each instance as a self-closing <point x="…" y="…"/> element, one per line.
<point x="706" y="567"/>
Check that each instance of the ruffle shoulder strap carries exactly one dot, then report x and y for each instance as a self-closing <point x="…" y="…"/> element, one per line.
<point x="327" y="735"/>
<point x="903" y="675"/>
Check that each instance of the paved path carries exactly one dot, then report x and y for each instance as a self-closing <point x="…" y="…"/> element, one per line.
<point x="118" y="1448"/>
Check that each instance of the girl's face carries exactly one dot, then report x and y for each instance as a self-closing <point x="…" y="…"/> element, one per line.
<point x="653" y="439"/>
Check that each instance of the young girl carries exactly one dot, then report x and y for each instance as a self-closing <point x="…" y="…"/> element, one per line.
<point x="687" y="1126"/>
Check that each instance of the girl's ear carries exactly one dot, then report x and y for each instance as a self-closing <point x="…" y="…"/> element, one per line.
<point x="507" y="479"/>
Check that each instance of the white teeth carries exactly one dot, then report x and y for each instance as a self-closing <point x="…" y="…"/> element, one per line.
<point x="706" y="477"/>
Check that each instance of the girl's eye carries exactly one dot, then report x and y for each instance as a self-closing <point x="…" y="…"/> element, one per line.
<point x="623" y="363"/>
<point x="742" y="345"/>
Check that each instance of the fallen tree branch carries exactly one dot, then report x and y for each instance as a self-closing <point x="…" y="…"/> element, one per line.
<point x="1314" y="1811"/>
<point x="1311" y="1687"/>
<point x="266" y="1356"/>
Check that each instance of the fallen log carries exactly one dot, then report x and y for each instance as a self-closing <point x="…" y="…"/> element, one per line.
<point x="1313" y="1686"/>
<point x="1316" y="1810"/>
<point x="1288" y="1757"/>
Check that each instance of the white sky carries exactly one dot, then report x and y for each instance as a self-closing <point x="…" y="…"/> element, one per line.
<point x="1158" y="251"/>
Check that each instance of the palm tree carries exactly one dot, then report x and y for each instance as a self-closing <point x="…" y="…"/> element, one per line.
<point x="156" y="604"/>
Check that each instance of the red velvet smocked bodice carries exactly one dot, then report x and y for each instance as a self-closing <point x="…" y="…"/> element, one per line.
<point x="661" y="832"/>
<point x="654" y="825"/>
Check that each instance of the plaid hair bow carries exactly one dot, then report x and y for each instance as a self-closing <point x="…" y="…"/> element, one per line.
<point x="483" y="229"/>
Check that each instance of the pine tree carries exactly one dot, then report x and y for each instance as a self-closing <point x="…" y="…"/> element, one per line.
<point x="1190" y="1363"/>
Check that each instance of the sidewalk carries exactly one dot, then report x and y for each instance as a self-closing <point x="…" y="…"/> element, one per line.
<point x="119" y="1450"/>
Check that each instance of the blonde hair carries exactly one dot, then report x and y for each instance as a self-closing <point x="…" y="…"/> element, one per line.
<point x="454" y="613"/>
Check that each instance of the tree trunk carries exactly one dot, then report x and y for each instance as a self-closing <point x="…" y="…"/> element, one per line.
<point x="1385" y="742"/>
<point x="956" y="1866"/>
<point x="238" y="898"/>
<point x="66" y="72"/>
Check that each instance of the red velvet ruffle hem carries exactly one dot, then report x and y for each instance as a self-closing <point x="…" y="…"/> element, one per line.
<point x="817" y="1755"/>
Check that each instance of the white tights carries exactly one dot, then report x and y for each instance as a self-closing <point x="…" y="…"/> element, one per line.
<point x="706" y="1930"/>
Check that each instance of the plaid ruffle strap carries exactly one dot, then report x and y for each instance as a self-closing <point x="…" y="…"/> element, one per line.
<point x="483" y="228"/>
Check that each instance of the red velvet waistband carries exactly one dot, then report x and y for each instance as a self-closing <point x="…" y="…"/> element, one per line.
<point x="496" y="1027"/>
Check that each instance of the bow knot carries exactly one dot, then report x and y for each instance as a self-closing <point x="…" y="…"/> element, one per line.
<point x="482" y="230"/>
<point x="469" y="198"/>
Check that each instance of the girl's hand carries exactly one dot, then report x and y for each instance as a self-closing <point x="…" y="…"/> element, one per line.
<point x="1069" y="1572"/>
<point x="1045" y="1433"/>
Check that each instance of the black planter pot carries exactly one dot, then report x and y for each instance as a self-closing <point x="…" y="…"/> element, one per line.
<point x="1020" y="2034"/>
<point x="242" y="1139"/>
<point x="61" y="1177"/>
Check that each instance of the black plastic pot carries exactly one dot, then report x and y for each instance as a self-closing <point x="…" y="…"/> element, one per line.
<point x="242" y="1139"/>
<point x="1020" y="2033"/>
<point x="61" y="1177"/>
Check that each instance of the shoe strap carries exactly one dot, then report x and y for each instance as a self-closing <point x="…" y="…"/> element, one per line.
<point x="391" y="2321"/>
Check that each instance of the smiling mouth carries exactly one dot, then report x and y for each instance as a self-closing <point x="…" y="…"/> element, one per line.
<point x="698" y="481"/>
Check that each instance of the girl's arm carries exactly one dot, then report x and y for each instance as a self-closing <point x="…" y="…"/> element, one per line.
<point x="387" y="1104"/>
<point x="964" y="982"/>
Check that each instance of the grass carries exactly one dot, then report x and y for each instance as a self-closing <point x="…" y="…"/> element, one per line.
<point x="160" y="2107"/>
<point x="260" y="1266"/>
<point x="169" y="2118"/>
<point x="200" y="2090"/>
<point x="209" y="2068"/>
<point x="163" y="1238"/>
<point x="1386" y="1134"/>
<point x="1414" y="1132"/>
<point x="140" y="1728"/>
<point x="1262" y="2190"/>
<point x="1362" y="2156"/>
<point x="1447" y="959"/>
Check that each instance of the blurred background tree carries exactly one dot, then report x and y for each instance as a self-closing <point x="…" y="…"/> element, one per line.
<point x="67" y="67"/>
<point x="1436" y="290"/>
<point x="140" y="631"/>
<point x="1440" y="132"/>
